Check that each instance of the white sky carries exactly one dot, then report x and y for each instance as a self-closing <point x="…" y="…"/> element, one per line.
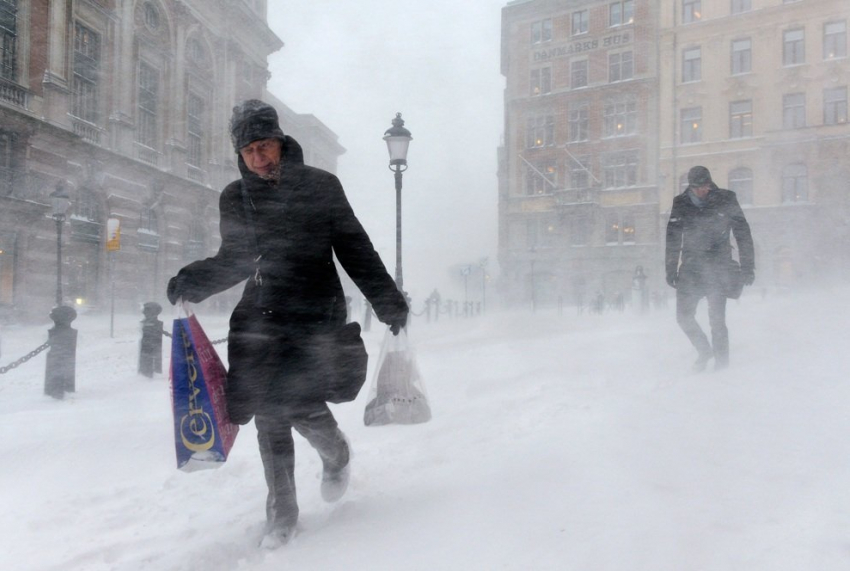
<point x="354" y="65"/>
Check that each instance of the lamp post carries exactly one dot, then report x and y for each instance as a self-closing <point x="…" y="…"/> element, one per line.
<point x="533" y="250"/>
<point x="59" y="202"/>
<point x="398" y="139"/>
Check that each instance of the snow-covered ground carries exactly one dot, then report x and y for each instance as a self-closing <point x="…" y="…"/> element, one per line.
<point x="558" y="442"/>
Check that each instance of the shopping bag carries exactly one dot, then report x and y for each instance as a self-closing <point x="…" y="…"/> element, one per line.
<point x="397" y="395"/>
<point x="203" y="433"/>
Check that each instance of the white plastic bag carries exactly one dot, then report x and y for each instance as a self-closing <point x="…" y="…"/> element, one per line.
<point x="397" y="395"/>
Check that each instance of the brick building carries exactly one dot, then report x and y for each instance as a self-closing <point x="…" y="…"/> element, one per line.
<point x="757" y="91"/>
<point x="578" y="202"/>
<point x="126" y="103"/>
<point x="609" y="103"/>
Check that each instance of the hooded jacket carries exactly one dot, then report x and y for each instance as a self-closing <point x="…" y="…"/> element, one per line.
<point x="700" y="236"/>
<point x="293" y="292"/>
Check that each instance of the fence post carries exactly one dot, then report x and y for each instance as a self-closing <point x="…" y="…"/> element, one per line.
<point x="150" y="347"/>
<point x="60" y="370"/>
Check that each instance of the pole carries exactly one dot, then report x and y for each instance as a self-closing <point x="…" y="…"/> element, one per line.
<point x="533" y="294"/>
<point x="58" y="261"/>
<point x="112" y="294"/>
<point x="398" y="273"/>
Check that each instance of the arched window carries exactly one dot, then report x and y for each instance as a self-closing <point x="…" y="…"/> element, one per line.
<point x="795" y="183"/>
<point x="741" y="183"/>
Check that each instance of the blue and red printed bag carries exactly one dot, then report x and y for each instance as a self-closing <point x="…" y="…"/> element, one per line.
<point x="203" y="433"/>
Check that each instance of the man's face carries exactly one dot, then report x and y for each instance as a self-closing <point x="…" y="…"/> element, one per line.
<point x="262" y="157"/>
<point x="702" y="190"/>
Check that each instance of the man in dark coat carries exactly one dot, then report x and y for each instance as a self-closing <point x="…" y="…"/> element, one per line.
<point x="280" y="225"/>
<point x="698" y="232"/>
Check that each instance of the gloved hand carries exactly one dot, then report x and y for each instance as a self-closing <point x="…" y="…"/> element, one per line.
<point x="176" y="288"/>
<point x="749" y="277"/>
<point x="672" y="279"/>
<point x="398" y="324"/>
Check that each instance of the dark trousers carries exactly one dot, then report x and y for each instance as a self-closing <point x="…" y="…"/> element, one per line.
<point x="686" y="308"/>
<point x="315" y="422"/>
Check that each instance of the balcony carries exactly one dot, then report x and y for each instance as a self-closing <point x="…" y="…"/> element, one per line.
<point x="147" y="154"/>
<point x="88" y="132"/>
<point x="13" y="93"/>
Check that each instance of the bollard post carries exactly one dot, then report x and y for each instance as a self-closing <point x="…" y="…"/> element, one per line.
<point x="60" y="370"/>
<point x="150" y="347"/>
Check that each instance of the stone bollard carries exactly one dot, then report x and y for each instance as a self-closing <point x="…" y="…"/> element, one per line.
<point x="60" y="371"/>
<point x="150" y="347"/>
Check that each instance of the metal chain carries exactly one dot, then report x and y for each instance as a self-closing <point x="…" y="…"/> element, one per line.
<point x="24" y="359"/>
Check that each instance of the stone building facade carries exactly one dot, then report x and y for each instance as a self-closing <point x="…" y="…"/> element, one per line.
<point x="578" y="203"/>
<point x="125" y="103"/>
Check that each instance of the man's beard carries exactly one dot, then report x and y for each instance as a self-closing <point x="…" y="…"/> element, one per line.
<point x="274" y="175"/>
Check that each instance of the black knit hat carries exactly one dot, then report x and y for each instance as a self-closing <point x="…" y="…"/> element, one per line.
<point x="253" y="120"/>
<point x="699" y="176"/>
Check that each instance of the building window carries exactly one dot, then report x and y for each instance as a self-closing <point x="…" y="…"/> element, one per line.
<point x="579" y="175"/>
<point x="86" y="74"/>
<point x="541" y="178"/>
<point x="541" y="81"/>
<point x="619" y="119"/>
<point x="835" y="40"/>
<point x="146" y="132"/>
<point x="541" y="31"/>
<point x="794" y="110"/>
<point x="148" y="234"/>
<point x="196" y="247"/>
<point x="628" y="227"/>
<point x="739" y="6"/>
<point x="620" y="66"/>
<point x="195" y="130"/>
<point x="579" y="123"/>
<point x="612" y="228"/>
<point x="578" y="74"/>
<point x="8" y="39"/>
<point x="691" y="11"/>
<point x="741" y="119"/>
<point x="795" y="184"/>
<point x="579" y="231"/>
<point x="835" y="106"/>
<point x="741" y="183"/>
<point x="620" y="13"/>
<point x="540" y="132"/>
<point x="580" y="22"/>
<point x="151" y="16"/>
<point x="692" y="64"/>
<point x="691" y="125"/>
<point x="87" y="207"/>
<point x="620" y="169"/>
<point x="742" y="56"/>
<point x="794" y="47"/>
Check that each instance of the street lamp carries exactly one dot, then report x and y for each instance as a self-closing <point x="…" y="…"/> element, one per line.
<point x="59" y="202"/>
<point x="398" y="139"/>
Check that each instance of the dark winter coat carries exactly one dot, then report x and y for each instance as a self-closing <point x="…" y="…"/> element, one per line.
<point x="276" y="328"/>
<point x="700" y="236"/>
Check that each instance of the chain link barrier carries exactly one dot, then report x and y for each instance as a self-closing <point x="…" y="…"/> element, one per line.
<point x="24" y="359"/>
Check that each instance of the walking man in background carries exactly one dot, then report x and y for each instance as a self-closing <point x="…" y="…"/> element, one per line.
<point x="280" y="225"/>
<point x="698" y="235"/>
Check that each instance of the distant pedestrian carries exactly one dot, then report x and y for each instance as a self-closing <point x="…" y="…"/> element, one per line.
<point x="698" y="235"/>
